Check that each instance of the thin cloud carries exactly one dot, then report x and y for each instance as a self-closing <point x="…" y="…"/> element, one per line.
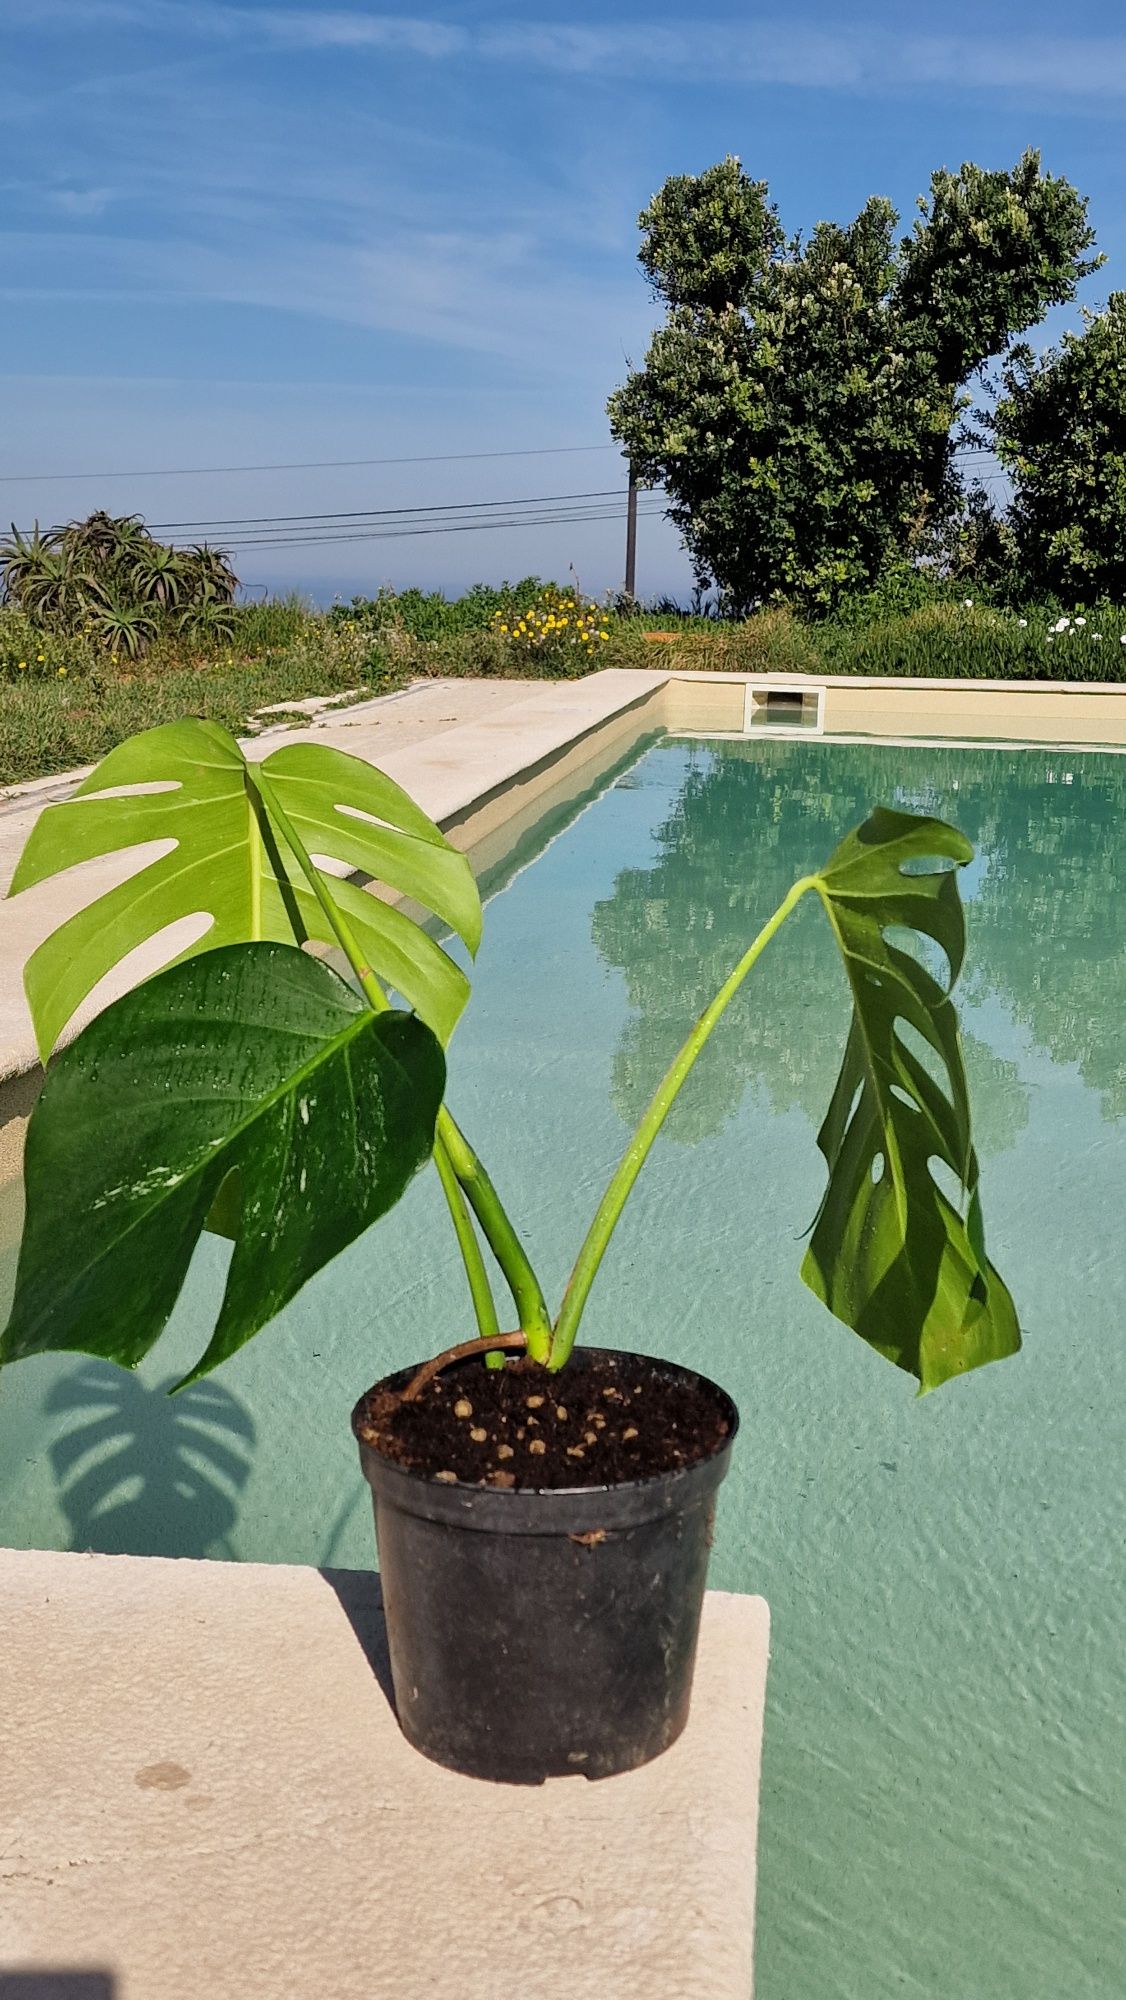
<point x="79" y="201"/>
<point x="292" y="27"/>
<point x="488" y="295"/>
<point x="783" y="52"/>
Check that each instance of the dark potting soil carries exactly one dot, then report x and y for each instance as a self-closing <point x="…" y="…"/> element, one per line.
<point x="602" y="1420"/>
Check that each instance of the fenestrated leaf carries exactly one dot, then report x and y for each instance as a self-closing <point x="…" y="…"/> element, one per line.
<point x="230" y="862"/>
<point x="890" y="1254"/>
<point x="254" y="1062"/>
<point x="325" y="792"/>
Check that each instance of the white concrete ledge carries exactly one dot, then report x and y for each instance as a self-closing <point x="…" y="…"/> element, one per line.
<point x="205" y="1796"/>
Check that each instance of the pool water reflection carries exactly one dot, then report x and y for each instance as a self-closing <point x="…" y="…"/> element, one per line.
<point x="945" y="1778"/>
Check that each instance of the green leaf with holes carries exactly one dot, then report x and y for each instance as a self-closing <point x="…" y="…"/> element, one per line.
<point x="893" y="1254"/>
<point x="253" y="1067"/>
<point x="223" y="857"/>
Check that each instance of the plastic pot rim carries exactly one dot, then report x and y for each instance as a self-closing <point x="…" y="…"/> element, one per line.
<point x="551" y="1509"/>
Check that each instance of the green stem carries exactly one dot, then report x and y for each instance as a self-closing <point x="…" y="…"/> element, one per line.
<point x="481" y="1292"/>
<point x="501" y="1237"/>
<point x="633" y="1159"/>
<point x="480" y="1289"/>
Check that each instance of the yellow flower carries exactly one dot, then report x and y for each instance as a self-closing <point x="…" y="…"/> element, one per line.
<point x="40" y="657"/>
<point x="61" y="675"/>
<point x="562" y="622"/>
<point x="22" y="665"/>
<point x="604" y="634"/>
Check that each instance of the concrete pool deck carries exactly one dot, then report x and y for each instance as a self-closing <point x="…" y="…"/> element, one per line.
<point x="206" y="1792"/>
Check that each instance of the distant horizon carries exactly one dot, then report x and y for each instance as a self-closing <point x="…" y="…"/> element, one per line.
<point x="454" y="577"/>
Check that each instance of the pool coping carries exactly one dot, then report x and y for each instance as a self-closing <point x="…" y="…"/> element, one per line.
<point x="212" y="1796"/>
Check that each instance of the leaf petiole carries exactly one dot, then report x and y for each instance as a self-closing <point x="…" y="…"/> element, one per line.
<point x="462" y="1175"/>
<point x="637" y="1152"/>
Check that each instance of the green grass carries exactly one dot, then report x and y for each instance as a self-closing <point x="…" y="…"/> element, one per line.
<point x="65" y="701"/>
<point x="940" y="641"/>
<point x="52" y="719"/>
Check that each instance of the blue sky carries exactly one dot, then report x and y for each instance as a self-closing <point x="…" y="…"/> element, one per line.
<point x="252" y="233"/>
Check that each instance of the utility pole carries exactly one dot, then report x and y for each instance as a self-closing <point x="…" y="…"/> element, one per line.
<point x="631" y="535"/>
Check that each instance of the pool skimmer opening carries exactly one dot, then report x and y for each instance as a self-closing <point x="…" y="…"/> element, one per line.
<point x="783" y="708"/>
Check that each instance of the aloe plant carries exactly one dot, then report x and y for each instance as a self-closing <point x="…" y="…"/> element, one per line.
<point x="110" y="575"/>
<point x="122" y="625"/>
<point x="251" y="1089"/>
<point x="211" y="580"/>
<point x="158" y="575"/>
<point x="37" y="575"/>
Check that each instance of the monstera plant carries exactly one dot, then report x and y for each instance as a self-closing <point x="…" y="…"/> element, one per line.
<point x="252" y="1090"/>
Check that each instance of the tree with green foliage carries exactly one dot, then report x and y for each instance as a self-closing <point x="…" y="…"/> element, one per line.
<point x="1060" y="431"/>
<point x="798" y="403"/>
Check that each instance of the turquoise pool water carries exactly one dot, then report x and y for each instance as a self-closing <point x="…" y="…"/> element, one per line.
<point x="944" y="1795"/>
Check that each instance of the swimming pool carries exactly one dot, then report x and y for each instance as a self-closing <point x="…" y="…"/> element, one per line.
<point x="944" y="1791"/>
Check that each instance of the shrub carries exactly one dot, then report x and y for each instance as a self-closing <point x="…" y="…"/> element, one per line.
<point x="109" y="578"/>
<point x="769" y="642"/>
<point x="429" y="616"/>
<point x="275" y="621"/>
<point x="971" y="642"/>
<point x="559" y="630"/>
<point x="31" y="652"/>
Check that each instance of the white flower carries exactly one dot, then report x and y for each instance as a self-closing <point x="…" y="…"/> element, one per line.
<point x="1061" y="625"/>
<point x="1096" y="635"/>
<point x="968" y="602"/>
<point x="1022" y="621"/>
<point x="1081" y="622"/>
<point x="1052" y="635"/>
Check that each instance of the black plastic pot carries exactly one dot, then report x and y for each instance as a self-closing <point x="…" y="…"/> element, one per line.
<point x="542" y="1632"/>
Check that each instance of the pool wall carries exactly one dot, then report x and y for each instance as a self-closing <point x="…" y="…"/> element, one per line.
<point x="979" y="711"/>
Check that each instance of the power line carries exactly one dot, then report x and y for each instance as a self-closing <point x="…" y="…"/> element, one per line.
<point x="371" y="513"/>
<point x="303" y="465"/>
<point x="340" y="464"/>
<point x="599" y="503"/>
<point x="452" y="528"/>
<point x="360" y="532"/>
